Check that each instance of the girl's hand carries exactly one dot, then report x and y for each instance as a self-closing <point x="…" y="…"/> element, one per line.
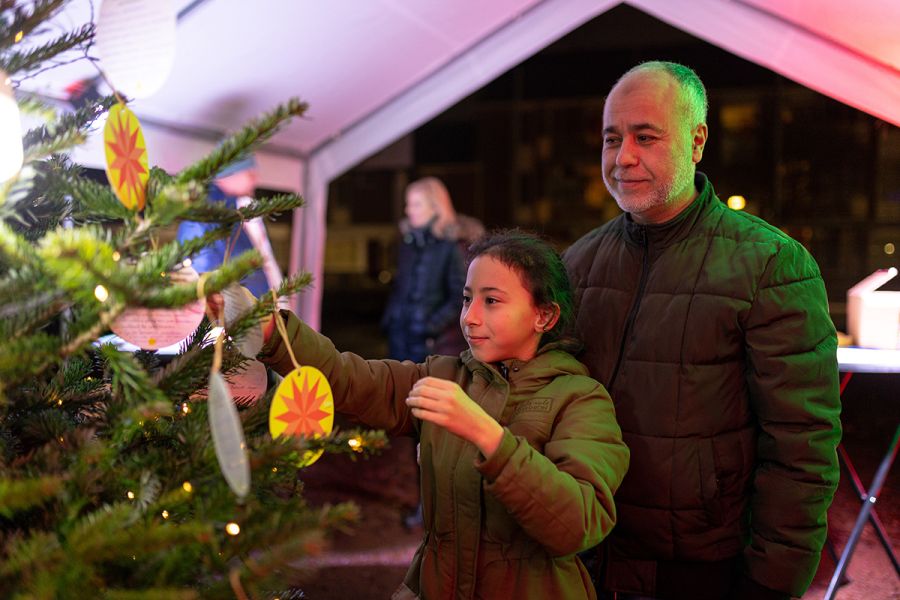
<point x="444" y="403"/>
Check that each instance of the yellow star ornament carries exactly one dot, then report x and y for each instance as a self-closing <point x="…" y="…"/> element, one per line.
<point x="303" y="405"/>
<point x="126" y="156"/>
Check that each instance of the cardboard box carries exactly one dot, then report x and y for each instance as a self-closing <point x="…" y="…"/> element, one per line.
<point x="873" y="318"/>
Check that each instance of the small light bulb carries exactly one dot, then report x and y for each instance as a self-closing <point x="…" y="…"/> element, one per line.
<point x="187" y="487"/>
<point x="185" y="408"/>
<point x="274" y="469"/>
<point x="101" y="293"/>
<point x="889" y="248"/>
<point x="233" y="528"/>
<point x="736" y="202"/>
<point x="130" y="495"/>
<point x="355" y="443"/>
<point x="187" y="263"/>
<point x="165" y="514"/>
<point x="116" y="256"/>
<point x="19" y="36"/>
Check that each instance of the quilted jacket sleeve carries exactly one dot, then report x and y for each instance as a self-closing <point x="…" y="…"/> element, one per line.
<point x="793" y="384"/>
<point x="371" y="391"/>
<point x="564" y="497"/>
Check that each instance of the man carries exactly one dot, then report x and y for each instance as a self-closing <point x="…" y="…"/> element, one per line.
<point x="710" y="329"/>
<point x="234" y="186"/>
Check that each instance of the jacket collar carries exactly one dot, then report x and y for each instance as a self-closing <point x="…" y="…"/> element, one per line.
<point x="676" y="229"/>
<point x="551" y="360"/>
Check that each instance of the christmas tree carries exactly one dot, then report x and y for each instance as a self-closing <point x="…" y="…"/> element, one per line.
<point x="110" y="483"/>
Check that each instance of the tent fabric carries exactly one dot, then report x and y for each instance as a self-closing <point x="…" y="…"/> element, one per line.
<point x="373" y="70"/>
<point x="796" y="52"/>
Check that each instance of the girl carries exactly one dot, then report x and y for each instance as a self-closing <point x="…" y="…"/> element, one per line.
<point x="520" y="449"/>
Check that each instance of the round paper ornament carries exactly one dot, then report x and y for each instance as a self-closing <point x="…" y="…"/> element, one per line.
<point x="238" y="302"/>
<point x="303" y="405"/>
<point x="154" y="328"/>
<point x="246" y="386"/>
<point x="136" y="44"/>
<point x="126" y="156"/>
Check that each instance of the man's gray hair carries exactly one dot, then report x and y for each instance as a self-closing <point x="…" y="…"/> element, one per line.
<point x="693" y="91"/>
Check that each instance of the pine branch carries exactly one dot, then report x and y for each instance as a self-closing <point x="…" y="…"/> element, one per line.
<point x="215" y="281"/>
<point x="27" y="555"/>
<point x="129" y="381"/>
<point x="242" y="142"/>
<point x="92" y="201"/>
<point x="156" y="593"/>
<point x="50" y="138"/>
<point x="29" y="60"/>
<point x="22" y="494"/>
<point x="22" y="21"/>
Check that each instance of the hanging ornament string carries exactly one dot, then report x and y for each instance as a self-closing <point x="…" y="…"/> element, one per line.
<point x="303" y="404"/>
<point x="282" y="330"/>
<point x="224" y="422"/>
<point x="201" y="294"/>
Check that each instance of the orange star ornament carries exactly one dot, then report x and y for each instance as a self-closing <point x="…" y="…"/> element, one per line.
<point x="126" y="156"/>
<point x="303" y="405"/>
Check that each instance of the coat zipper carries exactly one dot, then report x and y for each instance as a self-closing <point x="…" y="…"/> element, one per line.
<point x="632" y="314"/>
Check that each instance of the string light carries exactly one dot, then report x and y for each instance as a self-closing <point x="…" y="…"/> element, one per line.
<point x="19" y="35"/>
<point x="116" y="256"/>
<point x="274" y="469"/>
<point x="232" y="528"/>
<point x="165" y="514"/>
<point x="737" y="202"/>
<point x="130" y="495"/>
<point x="187" y="487"/>
<point x="185" y="408"/>
<point x="10" y="131"/>
<point x="355" y="443"/>
<point x="101" y="293"/>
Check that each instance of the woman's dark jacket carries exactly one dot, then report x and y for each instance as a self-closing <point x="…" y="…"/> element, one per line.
<point x="422" y="313"/>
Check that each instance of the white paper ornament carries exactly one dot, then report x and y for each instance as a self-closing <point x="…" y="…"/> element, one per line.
<point x="136" y="43"/>
<point x="246" y="386"/>
<point x="154" y="328"/>
<point x="238" y="302"/>
<point x="228" y="436"/>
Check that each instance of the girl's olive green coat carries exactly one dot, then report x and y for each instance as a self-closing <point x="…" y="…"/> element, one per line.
<point x="509" y="526"/>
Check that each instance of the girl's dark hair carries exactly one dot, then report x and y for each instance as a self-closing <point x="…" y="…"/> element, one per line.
<point x="542" y="272"/>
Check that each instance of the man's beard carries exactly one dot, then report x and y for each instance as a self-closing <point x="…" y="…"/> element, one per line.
<point x="661" y="196"/>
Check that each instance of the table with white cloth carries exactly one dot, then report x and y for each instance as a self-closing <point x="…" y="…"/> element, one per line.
<point x="866" y="360"/>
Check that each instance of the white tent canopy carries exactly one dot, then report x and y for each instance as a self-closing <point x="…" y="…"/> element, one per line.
<point x="374" y="70"/>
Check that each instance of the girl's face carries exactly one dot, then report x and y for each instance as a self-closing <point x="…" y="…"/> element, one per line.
<point x="499" y="318"/>
<point x="419" y="210"/>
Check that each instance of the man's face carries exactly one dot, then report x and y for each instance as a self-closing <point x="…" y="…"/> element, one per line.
<point x="650" y="149"/>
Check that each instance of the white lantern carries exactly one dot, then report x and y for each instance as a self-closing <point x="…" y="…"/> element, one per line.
<point x="10" y="131"/>
<point x="136" y="43"/>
